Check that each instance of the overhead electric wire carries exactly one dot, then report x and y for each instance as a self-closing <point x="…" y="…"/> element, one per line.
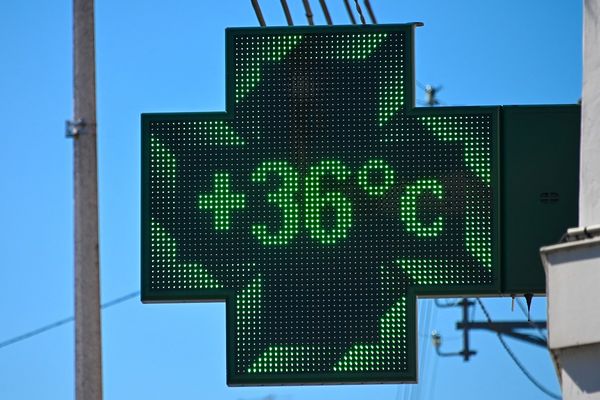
<point x="63" y="321"/>
<point x="309" y="14"/>
<point x="362" y="17"/>
<point x="326" y="12"/>
<point x="541" y="332"/>
<point x="350" y="13"/>
<point x="121" y="299"/>
<point x="286" y="11"/>
<point x="36" y="332"/>
<point x="258" y="12"/>
<point x="514" y="357"/>
<point x="370" y="11"/>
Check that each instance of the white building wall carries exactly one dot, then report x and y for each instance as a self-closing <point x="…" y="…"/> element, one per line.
<point x="573" y="269"/>
<point x="589" y="192"/>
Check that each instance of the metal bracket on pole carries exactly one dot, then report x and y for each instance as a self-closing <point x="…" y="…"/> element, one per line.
<point x="507" y="328"/>
<point x="74" y="128"/>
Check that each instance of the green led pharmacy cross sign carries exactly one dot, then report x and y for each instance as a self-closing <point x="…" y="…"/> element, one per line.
<point x="319" y="205"/>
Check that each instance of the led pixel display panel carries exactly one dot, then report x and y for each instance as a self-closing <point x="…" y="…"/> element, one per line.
<point x="319" y="205"/>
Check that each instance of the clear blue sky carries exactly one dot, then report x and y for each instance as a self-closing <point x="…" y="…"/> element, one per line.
<point x="158" y="56"/>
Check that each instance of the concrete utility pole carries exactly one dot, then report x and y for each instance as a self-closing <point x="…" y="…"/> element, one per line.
<point x="88" y="342"/>
<point x="573" y="268"/>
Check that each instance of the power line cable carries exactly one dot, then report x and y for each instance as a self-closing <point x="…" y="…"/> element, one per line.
<point x="63" y="321"/>
<point x="350" y="14"/>
<point x="360" y="13"/>
<point x="258" y="12"/>
<point x="326" y="12"/>
<point x="514" y="357"/>
<point x="533" y="324"/>
<point x="120" y="299"/>
<point x="286" y="11"/>
<point x="370" y="11"/>
<point x="36" y="332"/>
<point x="309" y="13"/>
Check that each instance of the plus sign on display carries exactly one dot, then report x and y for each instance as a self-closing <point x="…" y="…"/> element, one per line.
<point x="320" y="205"/>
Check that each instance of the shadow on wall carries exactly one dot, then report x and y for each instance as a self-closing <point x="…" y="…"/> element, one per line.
<point x="580" y="374"/>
